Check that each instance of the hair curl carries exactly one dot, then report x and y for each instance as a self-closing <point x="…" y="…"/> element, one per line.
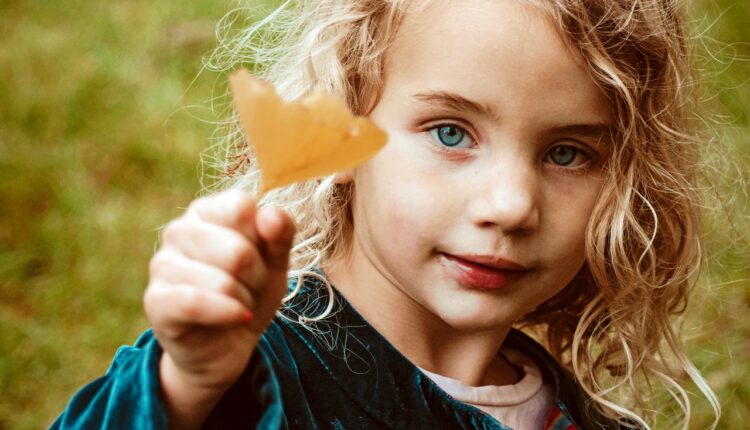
<point x="612" y="324"/>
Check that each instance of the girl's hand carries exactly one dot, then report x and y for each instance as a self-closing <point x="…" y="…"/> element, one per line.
<point x="214" y="286"/>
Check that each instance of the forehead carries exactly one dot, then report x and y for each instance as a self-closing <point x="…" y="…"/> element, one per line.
<point x="507" y="53"/>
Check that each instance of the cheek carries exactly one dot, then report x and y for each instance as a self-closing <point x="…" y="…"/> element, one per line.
<point x="564" y="263"/>
<point x="569" y="219"/>
<point x="569" y="204"/>
<point x="402" y="202"/>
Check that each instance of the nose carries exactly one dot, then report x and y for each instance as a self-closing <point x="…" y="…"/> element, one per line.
<point x="507" y="197"/>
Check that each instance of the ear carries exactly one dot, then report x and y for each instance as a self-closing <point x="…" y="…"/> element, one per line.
<point x="344" y="177"/>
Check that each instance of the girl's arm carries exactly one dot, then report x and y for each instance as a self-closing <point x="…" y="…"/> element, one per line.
<point x="215" y="285"/>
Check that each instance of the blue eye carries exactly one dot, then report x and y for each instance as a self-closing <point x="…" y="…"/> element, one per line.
<point x="450" y="135"/>
<point x="563" y="155"/>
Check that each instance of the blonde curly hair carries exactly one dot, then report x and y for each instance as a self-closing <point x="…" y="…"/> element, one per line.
<point x="612" y="326"/>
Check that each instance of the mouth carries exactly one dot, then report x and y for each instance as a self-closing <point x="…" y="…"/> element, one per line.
<point x="482" y="272"/>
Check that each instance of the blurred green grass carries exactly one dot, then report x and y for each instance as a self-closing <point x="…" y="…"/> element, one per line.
<point x="101" y="128"/>
<point x="97" y="151"/>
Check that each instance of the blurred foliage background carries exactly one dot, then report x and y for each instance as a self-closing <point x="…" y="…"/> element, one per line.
<point x="104" y="113"/>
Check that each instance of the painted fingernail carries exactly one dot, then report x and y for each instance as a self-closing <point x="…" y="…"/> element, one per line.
<point x="247" y="316"/>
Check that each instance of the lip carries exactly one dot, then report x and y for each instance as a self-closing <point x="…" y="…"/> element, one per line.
<point x="490" y="261"/>
<point x="482" y="271"/>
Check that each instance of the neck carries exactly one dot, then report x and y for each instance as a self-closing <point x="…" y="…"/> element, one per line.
<point x="427" y="341"/>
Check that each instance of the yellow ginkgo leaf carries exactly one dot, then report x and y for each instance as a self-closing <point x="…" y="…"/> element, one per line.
<point x="304" y="139"/>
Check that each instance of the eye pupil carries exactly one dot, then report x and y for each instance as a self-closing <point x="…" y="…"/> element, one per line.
<point x="563" y="155"/>
<point x="450" y="136"/>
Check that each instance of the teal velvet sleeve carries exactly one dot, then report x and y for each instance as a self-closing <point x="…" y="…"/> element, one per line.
<point x="127" y="396"/>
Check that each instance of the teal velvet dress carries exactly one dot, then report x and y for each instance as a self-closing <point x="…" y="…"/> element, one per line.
<point x="339" y="373"/>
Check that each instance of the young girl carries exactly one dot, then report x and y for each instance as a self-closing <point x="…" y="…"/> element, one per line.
<point x="539" y="174"/>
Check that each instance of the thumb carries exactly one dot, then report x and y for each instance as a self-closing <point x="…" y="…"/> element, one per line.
<point x="276" y="231"/>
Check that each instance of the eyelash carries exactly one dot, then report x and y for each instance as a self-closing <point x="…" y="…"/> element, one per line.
<point x="589" y="154"/>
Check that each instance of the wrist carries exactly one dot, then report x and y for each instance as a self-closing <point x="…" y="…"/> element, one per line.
<point x="188" y="402"/>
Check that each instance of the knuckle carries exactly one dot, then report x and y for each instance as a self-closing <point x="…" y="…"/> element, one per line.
<point x="173" y="229"/>
<point x="152" y="299"/>
<point x="156" y="301"/>
<point x="235" y="197"/>
<point x="190" y="303"/>
<point x="158" y="263"/>
<point x="226" y="284"/>
<point x="239" y="205"/>
<point x="148" y="299"/>
<point x="197" y="205"/>
<point x="244" y="207"/>
<point x="241" y="256"/>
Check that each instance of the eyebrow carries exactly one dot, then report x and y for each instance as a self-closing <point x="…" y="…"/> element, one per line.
<point x="593" y="131"/>
<point x="455" y="101"/>
<point x="458" y="102"/>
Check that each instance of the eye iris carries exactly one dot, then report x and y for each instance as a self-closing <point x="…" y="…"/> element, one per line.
<point x="563" y="155"/>
<point x="450" y="136"/>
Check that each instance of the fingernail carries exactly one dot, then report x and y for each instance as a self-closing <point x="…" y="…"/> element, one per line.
<point x="247" y="316"/>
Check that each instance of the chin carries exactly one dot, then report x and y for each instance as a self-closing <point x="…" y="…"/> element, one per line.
<point x="474" y="319"/>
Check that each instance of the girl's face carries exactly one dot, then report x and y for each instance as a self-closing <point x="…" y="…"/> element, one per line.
<point x="497" y="138"/>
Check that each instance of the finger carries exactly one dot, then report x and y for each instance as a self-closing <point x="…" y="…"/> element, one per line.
<point x="276" y="230"/>
<point x="171" y="267"/>
<point x="169" y="308"/>
<point x="217" y="246"/>
<point x="231" y="209"/>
